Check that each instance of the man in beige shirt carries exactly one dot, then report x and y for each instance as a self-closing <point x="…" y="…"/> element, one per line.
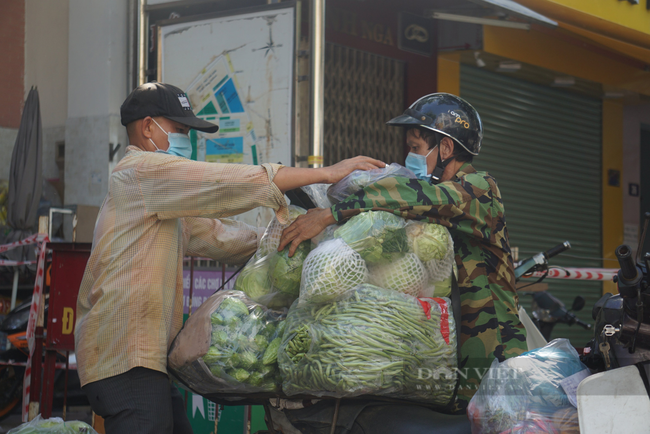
<point x="160" y="207"/>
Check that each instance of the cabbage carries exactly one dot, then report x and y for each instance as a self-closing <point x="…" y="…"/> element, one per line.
<point x="375" y="235"/>
<point x="285" y="271"/>
<point x="427" y="240"/>
<point x="254" y="280"/>
<point x="330" y="270"/>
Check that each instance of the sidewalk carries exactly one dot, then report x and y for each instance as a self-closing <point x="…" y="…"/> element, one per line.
<point x="13" y="420"/>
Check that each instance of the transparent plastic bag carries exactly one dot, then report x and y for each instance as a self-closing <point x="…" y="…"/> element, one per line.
<point x="518" y="393"/>
<point x="375" y="235"/>
<point x="331" y="269"/>
<point x="359" y="179"/>
<point x="53" y="425"/>
<point x="271" y="277"/>
<point x="371" y="341"/>
<point x="229" y="345"/>
<point x="318" y="194"/>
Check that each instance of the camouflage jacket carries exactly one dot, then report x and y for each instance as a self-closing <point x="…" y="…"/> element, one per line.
<point x="472" y="208"/>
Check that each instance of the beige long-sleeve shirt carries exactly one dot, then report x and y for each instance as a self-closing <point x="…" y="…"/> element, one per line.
<point x="159" y="208"/>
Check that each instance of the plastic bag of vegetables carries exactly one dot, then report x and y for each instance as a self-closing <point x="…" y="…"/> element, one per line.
<point x="331" y="269"/>
<point x="53" y="425"/>
<point x="229" y="345"/>
<point x="360" y="179"/>
<point x="270" y="277"/>
<point x="529" y="384"/>
<point x="371" y="341"/>
<point x="410" y="257"/>
<point x="377" y="236"/>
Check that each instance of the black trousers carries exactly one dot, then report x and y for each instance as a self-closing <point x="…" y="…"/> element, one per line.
<point x="140" y="401"/>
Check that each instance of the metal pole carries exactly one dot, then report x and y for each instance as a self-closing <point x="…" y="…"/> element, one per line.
<point x="14" y="289"/>
<point x="317" y="91"/>
<point x="142" y="42"/>
<point x="65" y="386"/>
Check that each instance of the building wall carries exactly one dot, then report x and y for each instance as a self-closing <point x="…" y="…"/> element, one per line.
<point x="373" y="27"/>
<point x="634" y="116"/>
<point x="12" y="52"/>
<point x="97" y="71"/>
<point x="46" y="67"/>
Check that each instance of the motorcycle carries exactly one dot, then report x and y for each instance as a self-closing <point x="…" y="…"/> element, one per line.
<point x="618" y="395"/>
<point x="14" y="359"/>
<point x="547" y="310"/>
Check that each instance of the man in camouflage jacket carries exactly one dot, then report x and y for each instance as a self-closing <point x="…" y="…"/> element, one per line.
<point x="469" y="204"/>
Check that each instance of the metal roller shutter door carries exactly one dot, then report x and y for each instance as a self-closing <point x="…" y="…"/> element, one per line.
<point x="543" y="145"/>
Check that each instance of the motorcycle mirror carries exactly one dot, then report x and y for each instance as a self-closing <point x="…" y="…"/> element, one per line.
<point x="578" y="303"/>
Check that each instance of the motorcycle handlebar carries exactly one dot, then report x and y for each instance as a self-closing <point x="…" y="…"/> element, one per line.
<point x="628" y="267"/>
<point x="557" y="249"/>
<point x="583" y="324"/>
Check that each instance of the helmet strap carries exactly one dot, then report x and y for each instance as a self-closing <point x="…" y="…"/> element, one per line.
<point x="441" y="165"/>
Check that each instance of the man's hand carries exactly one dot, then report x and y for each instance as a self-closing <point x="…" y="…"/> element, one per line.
<point x="305" y="228"/>
<point x="340" y="170"/>
<point x="289" y="178"/>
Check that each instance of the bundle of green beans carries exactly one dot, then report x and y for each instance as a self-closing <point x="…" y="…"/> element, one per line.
<point x="373" y="341"/>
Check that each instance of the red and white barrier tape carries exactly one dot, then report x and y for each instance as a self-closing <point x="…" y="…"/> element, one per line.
<point x="31" y="325"/>
<point x="8" y="263"/>
<point x="29" y="240"/>
<point x="602" y="274"/>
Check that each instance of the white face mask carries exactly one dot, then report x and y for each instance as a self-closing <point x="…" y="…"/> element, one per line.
<point x="179" y="144"/>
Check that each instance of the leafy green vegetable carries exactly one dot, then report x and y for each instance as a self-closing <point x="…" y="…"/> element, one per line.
<point x="285" y="271"/>
<point x="213" y="356"/>
<point x="219" y="338"/>
<point x="271" y="353"/>
<point x="330" y="270"/>
<point x="260" y="342"/>
<point x="442" y="288"/>
<point x="240" y="375"/>
<point x="254" y="280"/>
<point x="248" y="360"/>
<point x="232" y="307"/>
<point x="427" y="240"/>
<point x="256" y="379"/>
<point x="242" y="333"/>
<point x="374" y="235"/>
<point x="217" y="319"/>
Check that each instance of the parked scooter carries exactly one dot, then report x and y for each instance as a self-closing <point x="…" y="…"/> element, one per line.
<point x="14" y="360"/>
<point x="617" y="398"/>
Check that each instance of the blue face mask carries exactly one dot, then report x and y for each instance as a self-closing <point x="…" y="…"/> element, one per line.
<point x="417" y="164"/>
<point x="179" y="144"/>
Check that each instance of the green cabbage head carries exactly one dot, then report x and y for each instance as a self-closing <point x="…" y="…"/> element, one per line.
<point x="428" y="241"/>
<point x="254" y="280"/>
<point x="285" y="272"/>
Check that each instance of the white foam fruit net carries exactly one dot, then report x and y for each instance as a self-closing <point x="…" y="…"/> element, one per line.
<point x="330" y="270"/>
<point x="404" y="274"/>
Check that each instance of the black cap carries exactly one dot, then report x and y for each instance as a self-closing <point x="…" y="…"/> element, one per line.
<point x="160" y="99"/>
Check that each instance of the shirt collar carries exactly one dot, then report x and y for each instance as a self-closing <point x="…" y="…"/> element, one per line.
<point x="465" y="169"/>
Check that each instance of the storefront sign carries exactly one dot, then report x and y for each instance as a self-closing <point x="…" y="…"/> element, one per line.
<point x="415" y="34"/>
<point x="206" y="283"/>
